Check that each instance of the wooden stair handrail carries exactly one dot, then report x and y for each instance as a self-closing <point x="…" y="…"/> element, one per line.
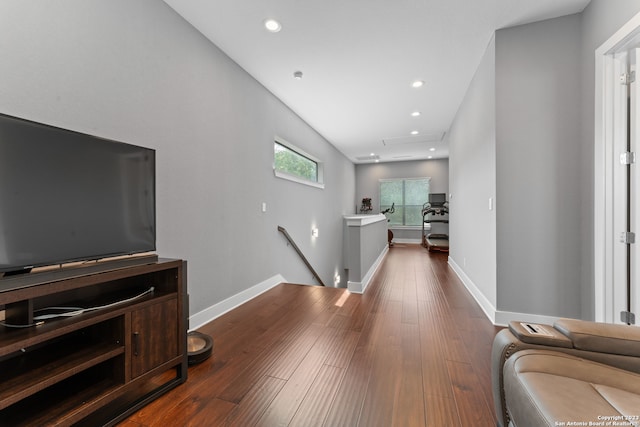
<point x="304" y="258"/>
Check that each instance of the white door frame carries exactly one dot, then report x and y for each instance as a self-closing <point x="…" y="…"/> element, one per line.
<point x="607" y="190"/>
<point x="634" y="182"/>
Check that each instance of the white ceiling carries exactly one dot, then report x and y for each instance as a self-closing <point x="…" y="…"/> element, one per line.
<point x="359" y="58"/>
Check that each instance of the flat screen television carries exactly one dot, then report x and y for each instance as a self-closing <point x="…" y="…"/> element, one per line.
<point x="67" y="196"/>
<point x="437" y="199"/>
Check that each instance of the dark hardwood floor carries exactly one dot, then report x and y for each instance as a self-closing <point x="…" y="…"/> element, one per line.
<point x="414" y="350"/>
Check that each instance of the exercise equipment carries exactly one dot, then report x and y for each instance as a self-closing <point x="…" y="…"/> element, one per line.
<point x="436" y="210"/>
<point x="391" y="210"/>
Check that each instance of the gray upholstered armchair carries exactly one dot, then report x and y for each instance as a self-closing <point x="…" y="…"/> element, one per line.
<point x="572" y="373"/>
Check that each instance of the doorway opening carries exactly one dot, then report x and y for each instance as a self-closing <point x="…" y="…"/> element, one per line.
<point x="617" y="179"/>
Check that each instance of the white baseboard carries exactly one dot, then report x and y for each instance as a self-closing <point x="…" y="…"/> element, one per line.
<point x="497" y="317"/>
<point x="483" y="302"/>
<point x="360" y="287"/>
<point x="407" y="241"/>
<point x="217" y="310"/>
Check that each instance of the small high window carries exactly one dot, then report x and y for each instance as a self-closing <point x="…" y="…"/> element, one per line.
<point x="289" y="162"/>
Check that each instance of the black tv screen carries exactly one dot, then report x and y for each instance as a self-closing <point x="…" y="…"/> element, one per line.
<point x="437" y="199"/>
<point x="67" y="196"/>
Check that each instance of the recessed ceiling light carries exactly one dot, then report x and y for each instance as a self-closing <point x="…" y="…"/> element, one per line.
<point x="377" y="160"/>
<point x="414" y="132"/>
<point x="417" y="83"/>
<point x="372" y="154"/>
<point x="415" y="114"/>
<point x="430" y="157"/>
<point x="297" y="75"/>
<point x="272" y="25"/>
<point x="432" y="149"/>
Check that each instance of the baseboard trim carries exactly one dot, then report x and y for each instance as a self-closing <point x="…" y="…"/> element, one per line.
<point x="360" y="287"/>
<point x="407" y="241"/>
<point x="486" y="306"/>
<point x="497" y="317"/>
<point x="208" y="314"/>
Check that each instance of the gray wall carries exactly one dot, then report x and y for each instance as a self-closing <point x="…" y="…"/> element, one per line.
<point x="537" y="174"/>
<point x="531" y="108"/>
<point x="135" y="71"/>
<point x="472" y="153"/>
<point x="368" y="176"/>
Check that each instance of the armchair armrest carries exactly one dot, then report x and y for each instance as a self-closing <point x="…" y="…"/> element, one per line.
<point x="614" y="345"/>
<point x="601" y="337"/>
<point x="532" y="333"/>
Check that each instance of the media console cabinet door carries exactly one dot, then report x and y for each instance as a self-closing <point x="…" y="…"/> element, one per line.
<point x="154" y="338"/>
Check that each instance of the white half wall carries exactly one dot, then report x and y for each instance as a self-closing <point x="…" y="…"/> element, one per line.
<point x="358" y="287"/>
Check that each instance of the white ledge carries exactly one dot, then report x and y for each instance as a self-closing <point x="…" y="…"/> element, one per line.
<point x="360" y="220"/>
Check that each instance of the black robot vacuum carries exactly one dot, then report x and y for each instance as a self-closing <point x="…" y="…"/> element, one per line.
<point x="199" y="347"/>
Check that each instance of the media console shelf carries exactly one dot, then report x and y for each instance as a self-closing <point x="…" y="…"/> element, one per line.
<point x="124" y="349"/>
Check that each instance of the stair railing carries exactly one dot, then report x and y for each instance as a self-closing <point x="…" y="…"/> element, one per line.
<point x="304" y="258"/>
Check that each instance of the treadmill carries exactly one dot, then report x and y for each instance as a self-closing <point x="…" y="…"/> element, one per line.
<point x="436" y="210"/>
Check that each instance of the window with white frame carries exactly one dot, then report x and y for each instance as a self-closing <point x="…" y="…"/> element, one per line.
<point x="289" y="162"/>
<point x="407" y="195"/>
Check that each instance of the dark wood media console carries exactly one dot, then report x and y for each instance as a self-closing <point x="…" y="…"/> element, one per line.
<point x="98" y="366"/>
